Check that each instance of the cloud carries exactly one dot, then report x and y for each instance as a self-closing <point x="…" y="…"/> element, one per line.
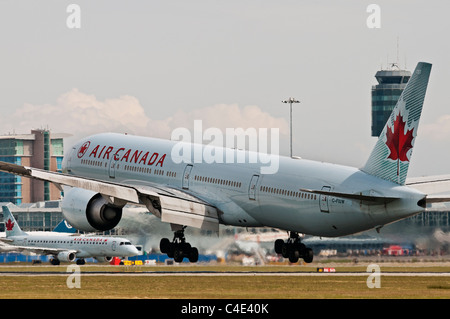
<point x="78" y="113"/>
<point x="224" y="116"/>
<point x="82" y="114"/>
<point x="431" y="149"/>
<point x="439" y="130"/>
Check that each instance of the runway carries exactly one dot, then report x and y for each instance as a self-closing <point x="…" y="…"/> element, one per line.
<point x="224" y="274"/>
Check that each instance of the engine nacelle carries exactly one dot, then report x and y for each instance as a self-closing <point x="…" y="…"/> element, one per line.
<point x="89" y="211"/>
<point x="104" y="259"/>
<point x="66" y="256"/>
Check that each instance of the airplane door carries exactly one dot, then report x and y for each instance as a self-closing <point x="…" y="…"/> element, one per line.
<point x="69" y="159"/>
<point x="252" y="187"/>
<point x="186" y="175"/>
<point x="112" y="168"/>
<point x="114" y="245"/>
<point x="323" y="200"/>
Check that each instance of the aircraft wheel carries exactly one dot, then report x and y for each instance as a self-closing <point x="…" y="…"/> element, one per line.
<point x="54" y="261"/>
<point x="164" y="245"/>
<point x="193" y="255"/>
<point x="185" y="247"/>
<point x="301" y="248"/>
<point x="285" y="250"/>
<point x="178" y="255"/>
<point x="279" y="246"/>
<point x="81" y="261"/>
<point x="309" y="255"/>
<point x="171" y="252"/>
<point x="293" y="256"/>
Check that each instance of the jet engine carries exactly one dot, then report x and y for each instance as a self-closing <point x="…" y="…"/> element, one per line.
<point x="89" y="211"/>
<point x="104" y="259"/>
<point x="66" y="256"/>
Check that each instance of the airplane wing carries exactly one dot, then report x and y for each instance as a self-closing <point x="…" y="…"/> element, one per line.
<point x="430" y="184"/>
<point x="36" y="250"/>
<point x="171" y="205"/>
<point x="434" y="186"/>
<point x="4" y="247"/>
<point x="356" y="196"/>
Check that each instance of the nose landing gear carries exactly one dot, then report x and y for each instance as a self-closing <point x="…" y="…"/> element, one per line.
<point x="293" y="249"/>
<point x="178" y="248"/>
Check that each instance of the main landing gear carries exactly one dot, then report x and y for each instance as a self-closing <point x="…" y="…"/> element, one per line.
<point x="55" y="261"/>
<point x="293" y="249"/>
<point x="179" y="248"/>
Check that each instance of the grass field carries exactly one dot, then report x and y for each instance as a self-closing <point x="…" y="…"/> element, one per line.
<point x="248" y="286"/>
<point x="222" y="287"/>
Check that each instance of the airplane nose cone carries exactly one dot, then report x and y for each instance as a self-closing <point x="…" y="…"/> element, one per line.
<point x="134" y="251"/>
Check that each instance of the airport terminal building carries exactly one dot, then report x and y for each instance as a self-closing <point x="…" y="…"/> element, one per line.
<point x="39" y="149"/>
<point x="40" y="216"/>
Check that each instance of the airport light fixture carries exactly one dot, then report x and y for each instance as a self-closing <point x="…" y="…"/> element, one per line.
<point x="290" y="101"/>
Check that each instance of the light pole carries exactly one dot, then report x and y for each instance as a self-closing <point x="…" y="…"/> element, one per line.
<point x="290" y="101"/>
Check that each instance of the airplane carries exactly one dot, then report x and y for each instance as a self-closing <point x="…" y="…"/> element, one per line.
<point x="62" y="228"/>
<point x="64" y="247"/>
<point x="108" y="170"/>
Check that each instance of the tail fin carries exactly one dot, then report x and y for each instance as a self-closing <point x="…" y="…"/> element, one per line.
<point x="64" y="227"/>
<point x="12" y="228"/>
<point x="392" y="153"/>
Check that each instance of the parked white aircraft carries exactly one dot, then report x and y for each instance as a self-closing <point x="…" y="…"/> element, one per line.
<point x="64" y="247"/>
<point x="109" y="170"/>
<point x="62" y="228"/>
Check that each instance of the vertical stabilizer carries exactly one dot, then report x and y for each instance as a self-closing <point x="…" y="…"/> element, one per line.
<point x="11" y="226"/>
<point x="64" y="227"/>
<point x="391" y="155"/>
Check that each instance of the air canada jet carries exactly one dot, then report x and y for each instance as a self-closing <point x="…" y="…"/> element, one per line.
<point x="62" y="228"/>
<point x="107" y="171"/>
<point x="64" y="247"/>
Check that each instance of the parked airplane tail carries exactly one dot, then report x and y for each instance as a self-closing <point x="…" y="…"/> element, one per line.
<point x="11" y="226"/>
<point x="64" y="227"/>
<point x="391" y="155"/>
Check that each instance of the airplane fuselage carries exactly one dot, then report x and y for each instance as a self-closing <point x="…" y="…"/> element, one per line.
<point x="245" y="196"/>
<point x="85" y="246"/>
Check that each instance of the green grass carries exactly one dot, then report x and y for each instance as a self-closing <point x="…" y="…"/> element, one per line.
<point x="224" y="287"/>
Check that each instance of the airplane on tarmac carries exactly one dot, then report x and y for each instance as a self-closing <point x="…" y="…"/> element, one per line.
<point x="64" y="247"/>
<point x="62" y="228"/>
<point x="107" y="171"/>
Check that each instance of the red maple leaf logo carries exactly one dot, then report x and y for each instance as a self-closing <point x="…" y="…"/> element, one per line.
<point x="9" y="225"/>
<point x="83" y="149"/>
<point x="399" y="142"/>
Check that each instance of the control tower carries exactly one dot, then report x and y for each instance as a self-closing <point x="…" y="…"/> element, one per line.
<point x="385" y="94"/>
